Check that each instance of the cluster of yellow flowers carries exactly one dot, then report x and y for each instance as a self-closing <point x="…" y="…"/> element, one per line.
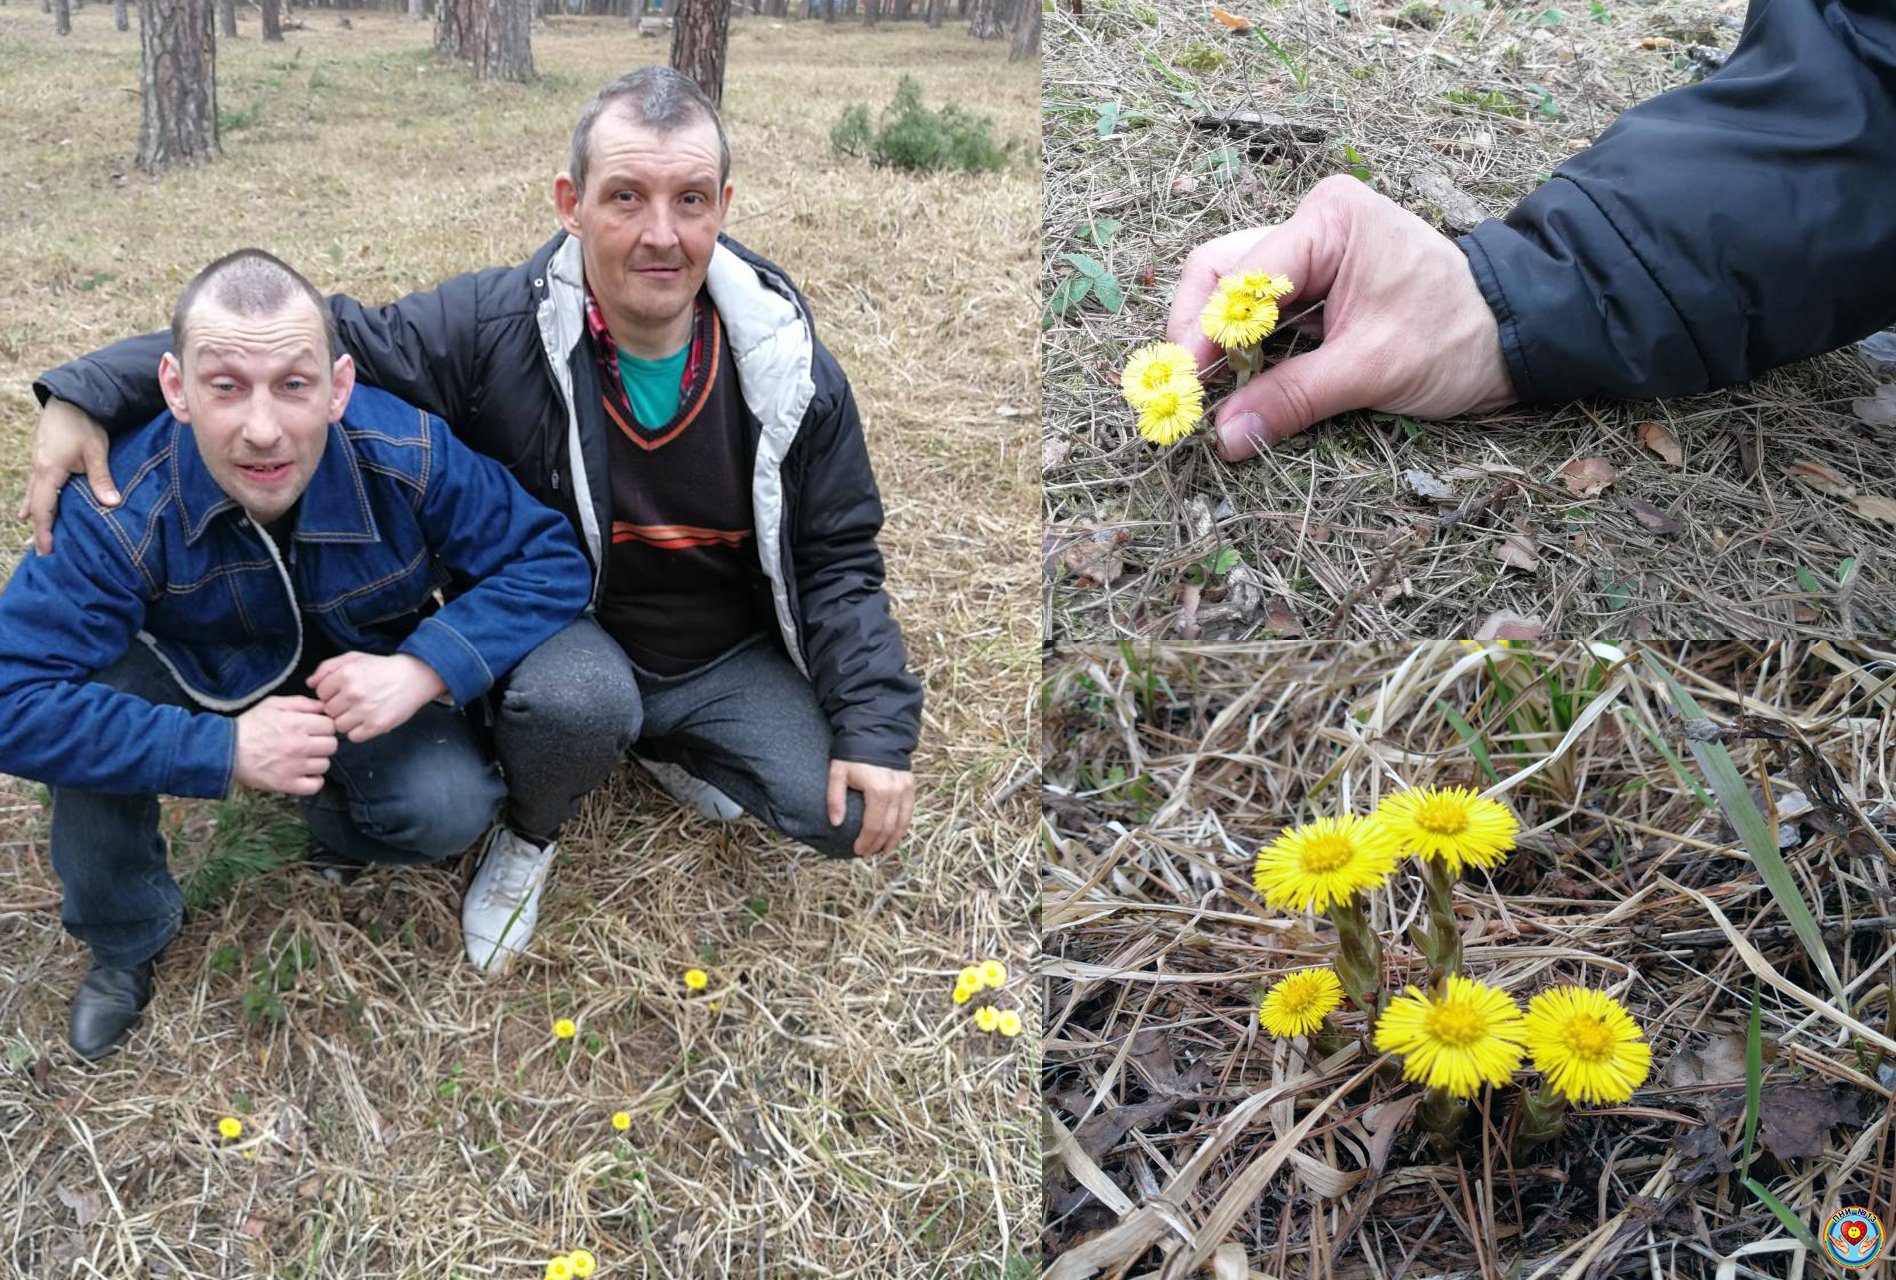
<point x="1161" y="380"/>
<point x="977" y="978"/>
<point x="1464" y="1033"/>
<point x="579" y="1263"/>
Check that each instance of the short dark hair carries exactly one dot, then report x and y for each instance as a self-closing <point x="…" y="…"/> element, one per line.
<point x="250" y="282"/>
<point x="656" y="97"/>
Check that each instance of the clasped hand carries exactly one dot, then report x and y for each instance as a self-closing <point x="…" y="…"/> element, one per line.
<point x="285" y="744"/>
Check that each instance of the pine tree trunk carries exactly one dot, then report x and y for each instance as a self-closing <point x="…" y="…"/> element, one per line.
<point x="62" y="17"/>
<point x="178" y="80"/>
<point x="454" y="25"/>
<point x="871" y="12"/>
<point x="1026" y="42"/>
<point x="699" y="30"/>
<point x="46" y="6"/>
<point x="272" y="20"/>
<point x="934" y="12"/>
<point x="227" y="19"/>
<point x="121" y="19"/>
<point x="902" y="8"/>
<point x="415" y="10"/>
<point x="502" y="39"/>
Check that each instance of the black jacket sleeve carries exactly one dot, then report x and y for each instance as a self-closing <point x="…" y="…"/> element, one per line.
<point x="854" y="648"/>
<point x="424" y="348"/>
<point x="1717" y="230"/>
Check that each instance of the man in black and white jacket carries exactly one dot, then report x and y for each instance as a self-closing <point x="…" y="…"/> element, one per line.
<point x="663" y="388"/>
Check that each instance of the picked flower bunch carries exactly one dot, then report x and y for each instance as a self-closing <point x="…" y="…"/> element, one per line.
<point x="1161" y="380"/>
<point x="1459" y="1034"/>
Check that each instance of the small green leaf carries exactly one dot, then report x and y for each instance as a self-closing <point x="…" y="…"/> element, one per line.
<point x="1110" y="294"/>
<point x="1108" y="116"/>
<point x="1341" y="6"/>
<point x="1100" y="231"/>
<point x="1068" y="294"/>
<point x="1845" y="569"/>
<point x="1548" y="18"/>
<point x="1092" y="268"/>
<point x="1808" y="580"/>
<point x="1547" y="106"/>
<point x="1225" y="561"/>
<point x="1600" y="12"/>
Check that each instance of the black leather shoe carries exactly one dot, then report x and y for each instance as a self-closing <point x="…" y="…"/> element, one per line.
<point x="107" y="1008"/>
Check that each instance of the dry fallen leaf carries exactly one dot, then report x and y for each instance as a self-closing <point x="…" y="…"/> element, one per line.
<point x="1879" y="410"/>
<point x="1504" y="624"/>
<point x="1793" y="1119"/>
<point x="1427" y="485"/>
<point x="1656" y="436"/>
<point x="1650" y="516"/>
<point x="1821" y="477"/>
<point x="1588" y="477"/>
<point x="1095" y="561"/>
<point x="1184" y="184"/>
<point x="1235" y="21"/>
<point x="1312" y="530"/>
<point x="1874" y="506"/>
<point x="1054" y="453"/>
<point x="1282" y="619"/>
<point x="1655" y="42"/>
<point x="1189" y="596"/>
<point x="1517" y="549"/>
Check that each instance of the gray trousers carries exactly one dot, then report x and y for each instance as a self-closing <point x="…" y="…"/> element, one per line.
<point x="748" y="723"/>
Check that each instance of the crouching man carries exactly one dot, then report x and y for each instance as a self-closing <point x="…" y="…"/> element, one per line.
<point x="281" y="529"/>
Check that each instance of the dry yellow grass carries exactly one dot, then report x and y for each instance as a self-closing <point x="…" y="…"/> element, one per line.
<point x="835" y="1116"/>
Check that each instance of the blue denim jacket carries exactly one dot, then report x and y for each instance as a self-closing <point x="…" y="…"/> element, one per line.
<point x="396" y="510"/>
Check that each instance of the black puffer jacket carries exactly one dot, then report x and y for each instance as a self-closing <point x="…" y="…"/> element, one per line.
<point x="1715" y="231"/>
<point x="499" y="355"/>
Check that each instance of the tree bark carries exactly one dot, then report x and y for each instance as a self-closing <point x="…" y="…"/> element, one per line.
<point x="503" y="40"/>
<point x="120" y="18"/>
<point x="62" y="17"/>
<point x="227" y="19"/>
<point x="178" y="81"/>
<point x="415" y="10"/>
<point x="934" y="12"/>
<point x="272" y="20"/>
<point x="902" y="9"/>
<point x="699" y="30"/>
<point x="871" y="12"/>
<point x="1026" y="43"/>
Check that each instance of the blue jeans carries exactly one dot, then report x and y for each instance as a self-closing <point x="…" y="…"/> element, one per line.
<point x="423" y="792"/>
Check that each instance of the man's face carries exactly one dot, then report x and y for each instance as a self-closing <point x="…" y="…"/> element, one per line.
<point x="647" y="222"/>
<point x="259" y="393"/>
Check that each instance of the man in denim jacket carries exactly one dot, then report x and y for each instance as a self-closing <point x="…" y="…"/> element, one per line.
<point x="280" y="532"/>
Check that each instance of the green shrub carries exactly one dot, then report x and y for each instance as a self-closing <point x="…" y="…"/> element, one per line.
<point x="910" y="136"/>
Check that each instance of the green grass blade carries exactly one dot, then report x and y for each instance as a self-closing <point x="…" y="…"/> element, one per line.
<point x="1754" y="1080"/>
<point x="1792" y="1223"/>
<point x="1476" y="747"/>
<point x="1760" y="841"/>
<point x="1659" y="744"/>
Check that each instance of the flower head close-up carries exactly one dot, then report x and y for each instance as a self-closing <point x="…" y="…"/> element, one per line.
<point x="1297" y="1004"/>
<point x="1451" y="825"/>
<point x="1587" y="1045"/>
<point x="1242" y="311"/>
<point x="1161" y="366"/>
<point x="1328" y="860"/>
<point x="1171" y="415"/>
<point x="1469" y="1037"/>
<point x="697" y="979"/>
<point x="230" y="1128"/>
<point x="564" y="1029"/>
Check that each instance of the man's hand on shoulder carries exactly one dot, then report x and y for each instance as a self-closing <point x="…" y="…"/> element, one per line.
<point x="367" y="695"/>
<point x="888" y="802"/>
<point x="69" y="443"/>
<point x="284" y="744"/>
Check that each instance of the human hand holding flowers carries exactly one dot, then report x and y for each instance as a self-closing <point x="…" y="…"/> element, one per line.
<point x="1404" y="326"/>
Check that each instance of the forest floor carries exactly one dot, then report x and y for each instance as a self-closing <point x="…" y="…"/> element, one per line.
<point x="1761" y="510"/>
<point x="1183" y="1133"/>
<point x="823" y="1109"/>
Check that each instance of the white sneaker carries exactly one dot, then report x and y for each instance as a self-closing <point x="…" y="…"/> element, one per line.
<point x="692" y="791"/>
<point x="503" y="902"/>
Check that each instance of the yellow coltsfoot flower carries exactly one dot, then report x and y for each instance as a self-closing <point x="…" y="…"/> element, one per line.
<point x="564" y="1029"/>
<point x="1155" y="368"/>
<point x="1242" y="311"/>
<point x="559" y="1269"/>
<point x="1468" y="1037"/>
<point x="987" y="1017"/>
<point x="1451" y="825"/>
<point x="582" y="1262"/>
<point x="1299" y="1002"/>
<point x="993" y="974"/>
<point x="1587" y="1045"/>
<point x="1328" y="860"/>
<point x="697" y="979"/>
<point x="1170" y="415"/>
<point x="964" y="992"/>
<point x="1008" y="1024"/>
<point x="622" y="1120"/>
<point x="969" y="977"/>
<point x="230" y="1128"/>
